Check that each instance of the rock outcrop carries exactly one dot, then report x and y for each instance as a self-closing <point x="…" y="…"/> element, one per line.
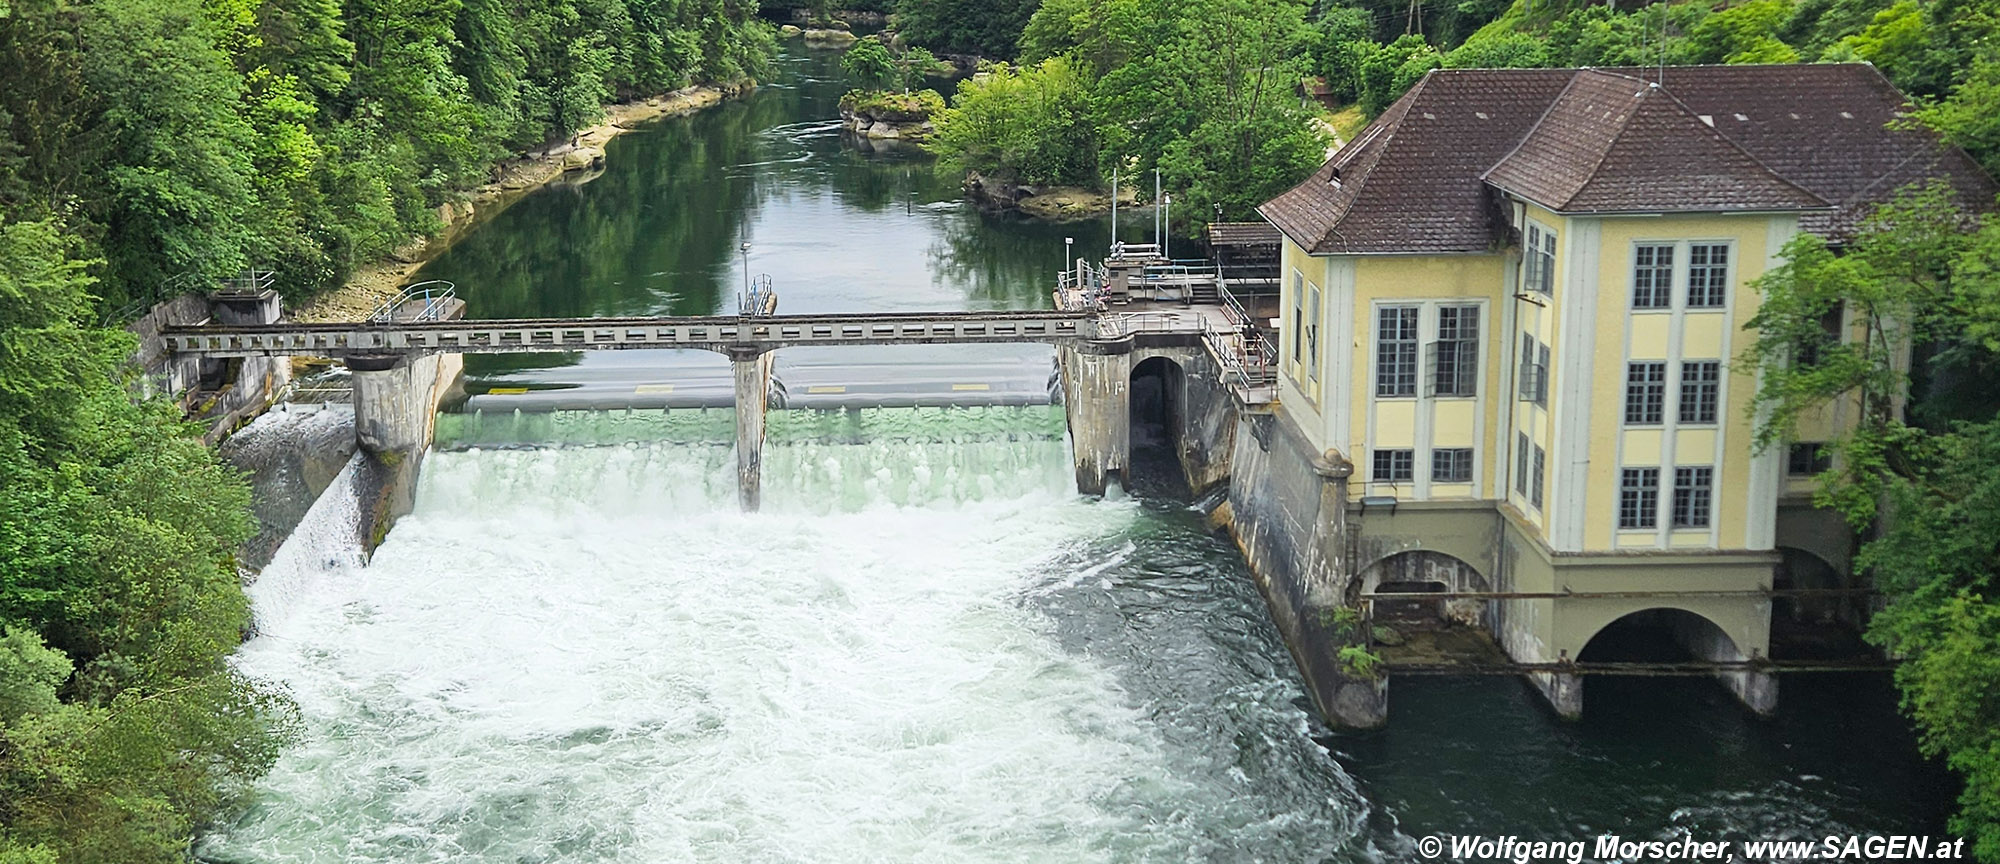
<point x="1053" y="203"/>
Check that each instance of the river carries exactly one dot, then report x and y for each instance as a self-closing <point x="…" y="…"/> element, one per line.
<point x="926" y="647"/>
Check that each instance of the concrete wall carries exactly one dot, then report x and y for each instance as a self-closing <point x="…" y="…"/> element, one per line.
<point x="290" y="456"/>
<point x="1288" y="513"/>
<point x="251" y="382"/>
<point x="395" y="410"/>
<point x="1552" y="630"/>
<point x="1207" y="433"/>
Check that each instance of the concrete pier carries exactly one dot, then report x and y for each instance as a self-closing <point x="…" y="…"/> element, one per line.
<point x="753" y="387"/>
<point x="395" y="411"/>
<point x="1096" y="381"/>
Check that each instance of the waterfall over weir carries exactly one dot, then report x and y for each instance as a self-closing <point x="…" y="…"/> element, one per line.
<point x="925" y="648"/>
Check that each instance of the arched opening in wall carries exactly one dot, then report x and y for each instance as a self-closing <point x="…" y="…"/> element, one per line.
<point x="1658" y="636"/>
<point x="1156" y="394"/>
<point x="1421" y="571"/>
<point x="1814" y="627"/>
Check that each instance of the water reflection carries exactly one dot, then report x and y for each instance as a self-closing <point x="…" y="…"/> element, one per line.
<point x="841" y="225"/>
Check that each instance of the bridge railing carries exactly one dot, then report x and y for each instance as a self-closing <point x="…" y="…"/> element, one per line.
<point x="1245" y="354"/>
<point x="434" y="294"/>
<point x="1123" y="324"/>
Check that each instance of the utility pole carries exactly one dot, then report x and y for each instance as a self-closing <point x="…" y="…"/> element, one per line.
<point x="1114" y="203"/>
<point x="1156" y="208"/>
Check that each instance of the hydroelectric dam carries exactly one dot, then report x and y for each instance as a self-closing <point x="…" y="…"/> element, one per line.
<point x="576" y="646"/>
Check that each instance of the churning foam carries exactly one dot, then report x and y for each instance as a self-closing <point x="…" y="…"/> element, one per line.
<point x="586" y="654"/>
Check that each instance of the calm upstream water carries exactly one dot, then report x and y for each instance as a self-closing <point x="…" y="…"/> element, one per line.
<point x="926" y="647"/>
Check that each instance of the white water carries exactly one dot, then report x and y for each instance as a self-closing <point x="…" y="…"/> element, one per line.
<point x="586" y="654"/>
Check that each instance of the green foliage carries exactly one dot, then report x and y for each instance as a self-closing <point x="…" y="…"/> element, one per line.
<point x="988" y="28"/>
<point x="1391" y="70"/>
<point x="1031" y="122"/>
<point x="117" y="532"/>
<point x="1915" y="275"/>
<point x="1202" y="91"/>
<point x="918" y="64"/>
<point x="184" y="139"/>
<point x="1342" y="621"/>
<point x="870" y="65"/>
<point x="30" y="673"/>
<point x="900" y="107"/>
<point x="1922" y="273"/>
<point x="1503" y="51"/>
<point x="1937" y="562"/>
<point x="1359" y="662"/>
<point x="1967" y="117"/>
<point x="1740" y="30"/>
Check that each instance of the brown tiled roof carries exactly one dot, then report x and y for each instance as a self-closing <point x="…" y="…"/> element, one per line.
<point x="1242" y="234"/>
<point x="1831" y="128"/>
<point x="1612" y="143"/>
<point x="1710" y="138"/>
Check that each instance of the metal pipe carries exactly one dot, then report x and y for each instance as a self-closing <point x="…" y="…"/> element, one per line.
<point x="1613" y="595"/>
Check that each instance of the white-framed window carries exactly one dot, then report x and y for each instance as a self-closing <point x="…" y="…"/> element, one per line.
<point x="1395" y="465"/>
<point x="1455" y="355"/>
<point x="1807" y="458"/>
<point x="1653" y="276"/>
<point x="1521" y="464"/>
<point x="1540" y="259"/>
<point x="1298" y="315"/>
<point x="1638" y="498"/>
<point x="1701" y="389"/>
<point x="1694" y="496"/>
<point x="1534" y="371"/>
<point x="1312" y="331"/>
<point x="1708" y="275"/>
<point x="1542" y="363"/>
<point x="1451" y="465"/>
<point x="1535" y="480"/>
<point x="1396" y="351"/>
<point x="1645" y="393"/>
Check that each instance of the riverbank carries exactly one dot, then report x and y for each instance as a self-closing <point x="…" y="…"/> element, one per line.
<point x="371" y="285"/>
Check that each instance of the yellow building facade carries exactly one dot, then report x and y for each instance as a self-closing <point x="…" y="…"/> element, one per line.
<point x="1516" y="305"/>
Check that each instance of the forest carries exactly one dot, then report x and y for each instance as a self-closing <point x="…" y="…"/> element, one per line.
<point x="146" y="148"/>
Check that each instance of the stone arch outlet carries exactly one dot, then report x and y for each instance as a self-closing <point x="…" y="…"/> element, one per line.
<point x="1669" y="633"/>
<point x="1427" y="571"/>
<point x="1157" y="403"/>
<point x="1804" y="568"/>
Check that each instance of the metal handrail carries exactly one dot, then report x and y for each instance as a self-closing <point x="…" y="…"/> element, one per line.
<point x="1245" y="354"/>
<point x="1127" y="323"/>
<point x="762" y="299"/>
<point x="435" y="293"/>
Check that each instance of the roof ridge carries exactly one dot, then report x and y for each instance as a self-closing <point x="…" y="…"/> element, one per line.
<point x="1528" y="133"/>
<point x="1618" y="129"/>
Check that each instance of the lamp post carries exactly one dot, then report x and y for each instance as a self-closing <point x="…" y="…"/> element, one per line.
<point x="746" y="274"/>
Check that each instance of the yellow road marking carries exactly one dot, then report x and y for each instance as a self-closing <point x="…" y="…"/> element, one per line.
<point x="506" y="391"/>
<point x="653" y="388"/>
<point x="827" y="388"/>
<point x="971" y="386"/>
